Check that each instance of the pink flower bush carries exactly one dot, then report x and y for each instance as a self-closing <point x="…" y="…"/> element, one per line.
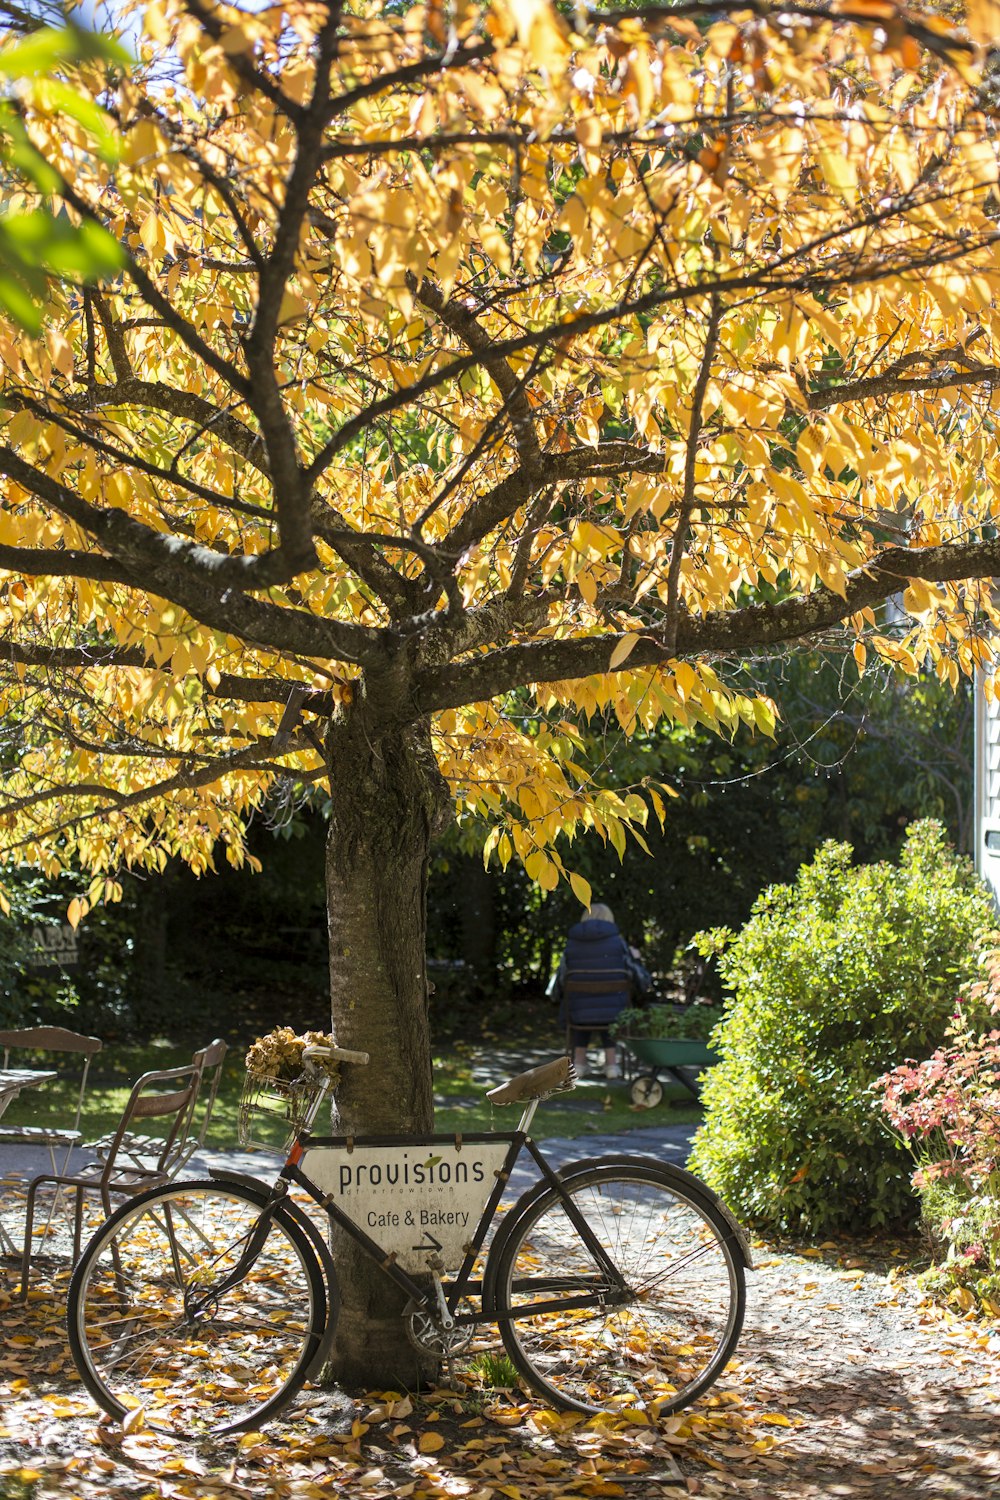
<point x="947" y="1110"/>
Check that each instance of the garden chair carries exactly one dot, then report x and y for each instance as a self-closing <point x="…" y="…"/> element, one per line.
<point x="167" y="1097"/>
<point x="44" y="1041"/>
<point x="143" y="1150"/>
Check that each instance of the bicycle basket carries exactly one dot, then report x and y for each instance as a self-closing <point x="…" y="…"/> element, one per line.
<point x="274" y="1110"/>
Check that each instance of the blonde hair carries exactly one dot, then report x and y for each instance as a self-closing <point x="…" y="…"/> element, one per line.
<point x="599" y="913"/>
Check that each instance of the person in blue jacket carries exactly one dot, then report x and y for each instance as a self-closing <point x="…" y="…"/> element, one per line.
<point x="598" y="977"/>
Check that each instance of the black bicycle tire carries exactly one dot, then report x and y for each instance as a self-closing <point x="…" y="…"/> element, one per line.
<point x="538" y="1201"/>
<point x="75" y="1315"/>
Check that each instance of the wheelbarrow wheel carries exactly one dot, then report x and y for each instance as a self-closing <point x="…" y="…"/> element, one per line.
<point x="647" y="1091"/>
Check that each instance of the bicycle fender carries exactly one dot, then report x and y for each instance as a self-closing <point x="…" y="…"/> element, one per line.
<point x="321" y="1249"/>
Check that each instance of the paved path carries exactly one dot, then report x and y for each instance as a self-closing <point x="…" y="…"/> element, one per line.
<point x="665" y="1143"/>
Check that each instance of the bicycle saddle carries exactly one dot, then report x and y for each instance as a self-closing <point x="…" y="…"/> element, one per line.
<point x="538" y="1083"/>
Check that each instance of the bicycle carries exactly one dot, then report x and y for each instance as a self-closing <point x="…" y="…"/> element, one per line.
<point x="615" y="1282"/>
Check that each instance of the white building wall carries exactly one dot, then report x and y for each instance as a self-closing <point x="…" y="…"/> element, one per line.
<point x="987" y="760"/>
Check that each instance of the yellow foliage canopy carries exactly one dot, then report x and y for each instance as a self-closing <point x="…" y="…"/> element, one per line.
<point x="484" y="369"/>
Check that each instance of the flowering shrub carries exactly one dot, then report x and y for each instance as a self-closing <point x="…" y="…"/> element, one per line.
<point x="835" y="978"/>
<point x="279" y="1054"/>
<point x="947" y="1110"/>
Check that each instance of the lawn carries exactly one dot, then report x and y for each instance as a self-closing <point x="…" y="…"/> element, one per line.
<point x="459" y="1086"/>
<point x="593" y="1108"/>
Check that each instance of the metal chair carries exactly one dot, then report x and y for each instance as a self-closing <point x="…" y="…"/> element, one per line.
<point x="142" y="1150"/>
<point x="113" y="1177"/>
<point x="210" y="1060"/>
<point x="49" y="1039"/>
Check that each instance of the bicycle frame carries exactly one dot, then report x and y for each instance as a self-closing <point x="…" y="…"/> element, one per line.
<point x="610" y="1290"/>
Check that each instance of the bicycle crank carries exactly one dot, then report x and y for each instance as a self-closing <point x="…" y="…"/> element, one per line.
<point x="427" y="1333"/>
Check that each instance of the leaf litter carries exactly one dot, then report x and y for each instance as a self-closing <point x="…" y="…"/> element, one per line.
<point x="847" y="1383"/>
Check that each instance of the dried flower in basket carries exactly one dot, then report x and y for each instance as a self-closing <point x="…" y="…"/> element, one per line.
<point x="279" y="1054"/>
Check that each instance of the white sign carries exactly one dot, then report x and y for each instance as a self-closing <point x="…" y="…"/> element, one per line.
<point x="421" y="1201"/>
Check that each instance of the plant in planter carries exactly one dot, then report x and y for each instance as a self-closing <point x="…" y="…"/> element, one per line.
<point x="670" y="1022"/>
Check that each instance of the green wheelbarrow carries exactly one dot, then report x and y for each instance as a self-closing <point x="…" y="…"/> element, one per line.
<point x="656" y="1055"/>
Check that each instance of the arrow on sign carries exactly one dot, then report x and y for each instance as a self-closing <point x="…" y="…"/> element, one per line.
<point x="427" y="1243"/>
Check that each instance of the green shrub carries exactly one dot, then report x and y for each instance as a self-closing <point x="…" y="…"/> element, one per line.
<point x="669" y="1022"/>
<point x="835" y="979"/>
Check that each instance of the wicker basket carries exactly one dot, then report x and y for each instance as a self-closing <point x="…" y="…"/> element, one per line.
<point x="274" y="1110"/>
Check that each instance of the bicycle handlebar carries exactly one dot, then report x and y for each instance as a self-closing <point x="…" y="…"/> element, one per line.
<point x="339" y="1054"/>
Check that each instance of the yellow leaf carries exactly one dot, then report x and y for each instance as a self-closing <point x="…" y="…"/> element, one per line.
<point x="839" y="170"/>
<point x="430" y="1442"/>
<point x="151" y="233"/>
<point x="587" y="584"/>
<point x="685" y="678"/>
<point x="293" y="307"/>
<point x="134" y="1420"/>
<point x="623" y="649"/>
<point x="581" y="889"/>
<point x="544" y="32"/>
<point x="982" y="17"/>
<point x="919" y="597"/>
<point x="763" y="715"/>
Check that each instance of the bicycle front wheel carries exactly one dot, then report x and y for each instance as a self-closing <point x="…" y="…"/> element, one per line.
<point x="645" y="1314"/>
<point x="152" y="1323"/>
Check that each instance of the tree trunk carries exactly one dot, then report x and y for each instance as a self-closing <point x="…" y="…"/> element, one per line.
<point x="388" y="799"/>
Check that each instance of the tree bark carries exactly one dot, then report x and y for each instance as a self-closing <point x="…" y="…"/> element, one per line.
<point x="388" y="800"/>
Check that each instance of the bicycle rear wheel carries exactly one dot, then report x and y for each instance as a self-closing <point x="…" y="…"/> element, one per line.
<point x="659" y="1330"/>
<point x="151" y="1324"/>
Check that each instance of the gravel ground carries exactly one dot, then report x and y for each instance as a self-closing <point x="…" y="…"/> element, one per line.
<point x="887" y="1394"/>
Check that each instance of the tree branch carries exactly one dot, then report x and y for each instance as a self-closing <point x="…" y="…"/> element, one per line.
<point x="211" y="586"/>
<point x="780" y="275"/>
<point x="757" y="627"/>
<point x="678" y="545"/>
<point x="888" y="384"/>
<point x="228" y="687"/>
<point x="485" y="513"/>
<point x="461" y="319"/>
<point x="251" y="757"/>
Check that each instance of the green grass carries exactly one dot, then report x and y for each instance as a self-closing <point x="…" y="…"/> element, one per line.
<point x="608" y="1110"/>
<point x="495" y="1372"/>
<point x="112" y="1075"/>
